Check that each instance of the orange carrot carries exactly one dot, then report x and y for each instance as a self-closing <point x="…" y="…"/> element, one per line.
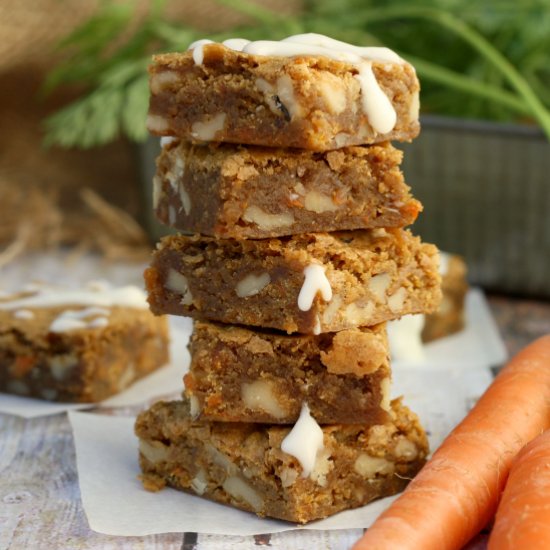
<point x="456" y="493"/>
<point x="523" y="515"/>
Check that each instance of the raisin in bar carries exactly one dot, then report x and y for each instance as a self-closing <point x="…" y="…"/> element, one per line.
<point x="248" y="192"/>
<point x="308" y="283"/>
<point x="244" y="465"/>
<point x="78" y="345"/>
<point x="244" y="375"/>
<point x="284" y="94"/>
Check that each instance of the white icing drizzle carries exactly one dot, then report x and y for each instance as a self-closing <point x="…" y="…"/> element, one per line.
<point x="376" y="104"/>
<point x="105" y="296"/>
<point x="198" y="54"/>
<point x="304" y="441"/>
<point x="23" y="314"/>
<point x="405" y="338"/>
<point x="237" y="44"/>
<point x="315" y="281"/>
<point x="74" y="320"/>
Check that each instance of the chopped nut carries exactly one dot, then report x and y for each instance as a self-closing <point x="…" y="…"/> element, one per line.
<point x="177" y="282"/>
<point x="154" y="451"/>
<point x="319" y="203"/>
<point x="163" y="80"/>
<point x="332" y="309"/>
<point x="379" y="284"/>
<point x="333" y="92"/>
<point x="323" y="466"/>
<point x="252" y="284"/>
<point x="200" y="482"/>
<point x="207" y="129"/>
<point x="264" y="220"/>
<point x="397" y="300"/>
<point x="406" y="449"/>
<point x="369" y="466"/>
<point x="240" y="490"/>
<point x="157" y="124"/>
<point x="385" y="386"/>
<point x="288" y="477"/>
<point x="285" y="94"/>
<point x="185" y="200"/>
<point x="259" y="395"/>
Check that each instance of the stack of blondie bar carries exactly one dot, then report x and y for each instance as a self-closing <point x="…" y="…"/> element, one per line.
<point x="279" y="171"/>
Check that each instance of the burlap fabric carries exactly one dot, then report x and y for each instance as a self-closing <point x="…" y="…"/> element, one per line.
<point x="41" y="202"/>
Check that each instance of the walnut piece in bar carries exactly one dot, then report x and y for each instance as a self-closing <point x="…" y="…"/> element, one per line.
<point x="309" y="283"/>
<point x="248" y="192"/>
<point x="78" y="345"/>
<point x="244" y="466"/>
<point x="244" y="375"/>
<point x="317" y="97"/>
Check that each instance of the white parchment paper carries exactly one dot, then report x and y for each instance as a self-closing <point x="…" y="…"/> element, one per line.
<point x="165" y="381"/>
<point x="116" y="504"/>
<point x="479" y="344"/>
<point x="107" y="455"/>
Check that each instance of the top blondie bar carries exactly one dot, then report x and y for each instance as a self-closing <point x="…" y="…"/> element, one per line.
<point x="307" y="91"/>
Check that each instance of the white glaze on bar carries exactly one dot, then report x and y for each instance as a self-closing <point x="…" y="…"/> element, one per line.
<point x="315" y="281"/>
<point x="236" y="44"/>
<point x="304" y="441"/>
<point x="198" y="54"/>
<point x="127" y="296"/>
<point x="376" y="104"/>
<point x="91" y="317"/>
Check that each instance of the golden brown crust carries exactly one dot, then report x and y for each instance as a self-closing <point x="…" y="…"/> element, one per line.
<point x="323" y="108"/>
<point x="375" y="275"/>
<point x="251" y="192"/>
<point x="244" y="375"/>
<point x="243" y="464"/>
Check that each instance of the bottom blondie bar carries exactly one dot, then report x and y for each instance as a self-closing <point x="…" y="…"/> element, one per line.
<point x="243" y="465"/>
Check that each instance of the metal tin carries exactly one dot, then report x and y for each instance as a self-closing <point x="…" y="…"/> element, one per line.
<point x="486" y="194"/>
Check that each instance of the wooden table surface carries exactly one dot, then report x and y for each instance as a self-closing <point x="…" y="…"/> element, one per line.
<point x="39" y="495"/>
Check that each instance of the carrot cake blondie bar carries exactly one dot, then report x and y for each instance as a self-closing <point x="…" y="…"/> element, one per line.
<point x="306" y="91"/>
<point x="244" y="375"/>
<point x="298" y="473"/>
<point x="308" y="283"/>
<point x="252" y="192"/>
<point x="78" y="345"/>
